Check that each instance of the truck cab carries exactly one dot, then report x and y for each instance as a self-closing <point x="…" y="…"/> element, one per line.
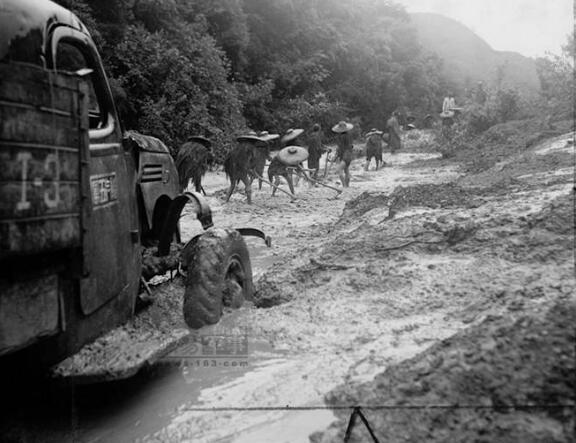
<point x="81" y="203"/>
<point x="78" y="197"/>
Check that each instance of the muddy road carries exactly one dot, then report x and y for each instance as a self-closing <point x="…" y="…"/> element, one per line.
<point x="362" y="300"/>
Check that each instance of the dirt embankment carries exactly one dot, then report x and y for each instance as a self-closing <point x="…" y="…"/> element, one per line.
<point x="508" y="379"/>
<point x="498" y="143"/>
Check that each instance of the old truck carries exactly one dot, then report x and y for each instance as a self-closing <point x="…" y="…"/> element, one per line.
<point x="80" y="199"/>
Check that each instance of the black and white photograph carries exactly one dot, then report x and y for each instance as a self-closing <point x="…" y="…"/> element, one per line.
<point x="287" y="221"/>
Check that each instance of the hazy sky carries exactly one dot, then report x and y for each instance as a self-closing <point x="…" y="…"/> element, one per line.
<point x="529" y="27"/>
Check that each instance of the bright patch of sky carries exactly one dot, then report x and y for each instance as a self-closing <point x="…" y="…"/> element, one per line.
<point x="530" y="27"/>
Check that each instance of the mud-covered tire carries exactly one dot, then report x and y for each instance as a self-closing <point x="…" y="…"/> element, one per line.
<point x="219" y="274"/>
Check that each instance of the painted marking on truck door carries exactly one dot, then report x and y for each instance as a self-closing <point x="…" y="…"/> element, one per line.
<point x="51" y="196"/>
<point x="104" y="189"/>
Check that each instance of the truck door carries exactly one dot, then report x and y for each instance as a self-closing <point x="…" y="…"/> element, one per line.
<point x="111" y="254"/>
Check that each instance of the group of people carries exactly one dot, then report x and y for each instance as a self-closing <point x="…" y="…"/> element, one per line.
<point x="246" y="162"/>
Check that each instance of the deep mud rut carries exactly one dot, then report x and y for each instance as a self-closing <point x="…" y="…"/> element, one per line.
<point x="357" y="284"/>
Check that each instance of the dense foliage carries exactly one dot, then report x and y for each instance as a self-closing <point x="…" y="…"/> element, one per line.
<point x="215" y="67"/>
<point x="557" y="79"/>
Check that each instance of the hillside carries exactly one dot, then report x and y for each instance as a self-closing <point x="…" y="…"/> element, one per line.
<point x="467" y="56"/>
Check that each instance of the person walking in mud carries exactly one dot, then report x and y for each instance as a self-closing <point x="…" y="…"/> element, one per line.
<point x="242" y="161"/>
<point x="287" y="159"/>
<point x="394" y="133"/>
<point x="344" y="151"/>
<point x="288" y="139"/>
<point x="315" y="150"/>
<point x="192" y="161"/>
<point x="448" y="115"/>
<point x="374" y="148"/>
<point x="449" y="103"/>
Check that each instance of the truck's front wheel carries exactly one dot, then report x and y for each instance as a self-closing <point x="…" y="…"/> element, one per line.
<point x="219" y="275"/>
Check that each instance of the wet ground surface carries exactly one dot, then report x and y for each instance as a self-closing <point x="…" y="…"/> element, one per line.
<point x="407" y="257"/>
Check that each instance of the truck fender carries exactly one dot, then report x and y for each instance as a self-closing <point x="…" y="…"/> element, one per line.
<point x="203" y="214"/>
<point x="252" y="232"/>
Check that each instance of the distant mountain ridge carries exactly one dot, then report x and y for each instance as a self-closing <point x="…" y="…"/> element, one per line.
<point x="469" y="59"/>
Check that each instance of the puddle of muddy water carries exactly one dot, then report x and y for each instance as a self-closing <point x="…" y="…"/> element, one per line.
<point x="230" y="407"/>
<point x="254" y="406"/>
<point x="135" y="409"/>
<point x="184" y="400"/>
<point x="296" y="427"/>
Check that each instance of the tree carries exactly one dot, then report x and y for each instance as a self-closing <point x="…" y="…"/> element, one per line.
<point x="556" y="74"/>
